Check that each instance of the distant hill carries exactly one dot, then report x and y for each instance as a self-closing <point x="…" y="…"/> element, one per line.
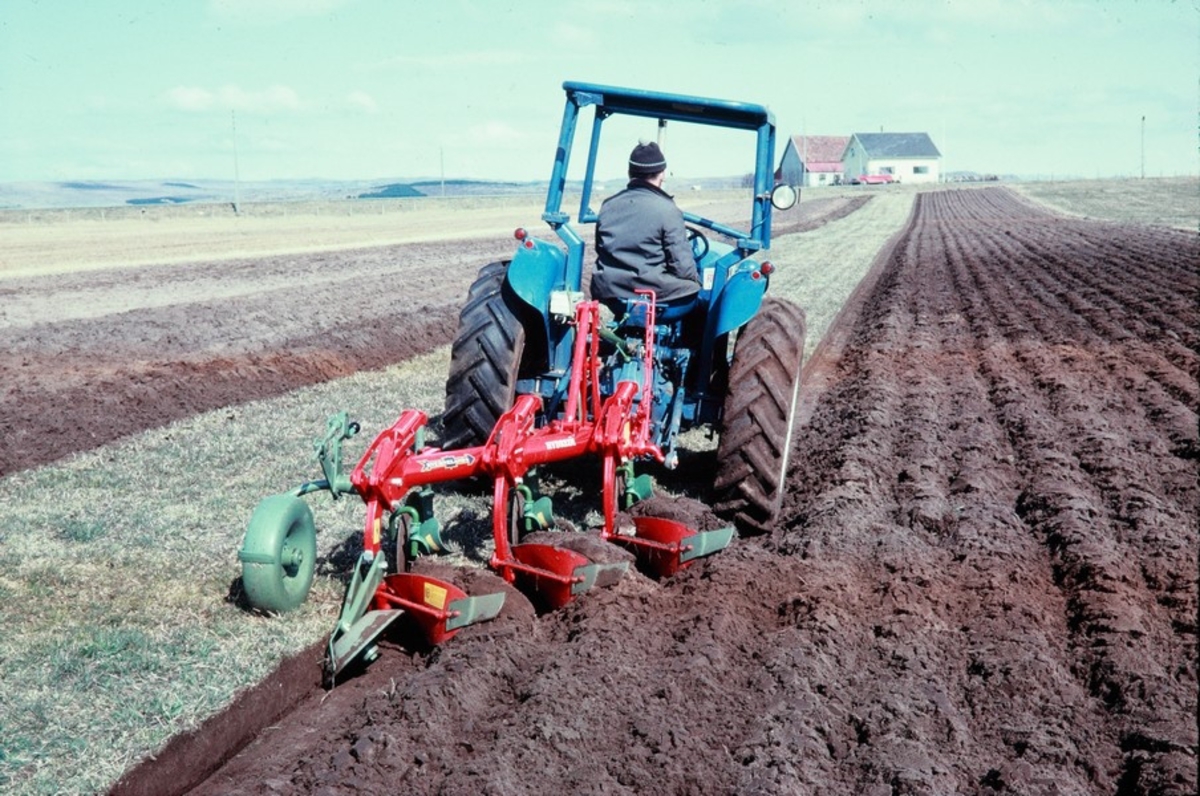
<point x="159" y="200"/>
<point x="97" y="194"/>
<point x="396" y="190"/>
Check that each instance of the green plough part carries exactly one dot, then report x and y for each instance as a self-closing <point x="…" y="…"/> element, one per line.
<point x="706" y="543"/>
<point x="279" y="554"/>
<point x="470" y="610"/>
<point x="538" y="512"/>
<point x="598" y="575"/>
<point x="357" y="628"/>
<point x="424" y="530"/>
<point x="637" y="487"/>
<point x="338" y="428"/>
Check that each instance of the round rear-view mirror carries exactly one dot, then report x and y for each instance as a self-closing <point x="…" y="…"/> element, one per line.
<point x="784" y="197"/>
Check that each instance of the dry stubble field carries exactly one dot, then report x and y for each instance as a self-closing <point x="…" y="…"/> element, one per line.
<point x="968" y="574"/>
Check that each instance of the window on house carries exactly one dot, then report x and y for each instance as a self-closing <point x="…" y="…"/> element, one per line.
<point x="920" y="169"/>
<point x="886" y="170"/>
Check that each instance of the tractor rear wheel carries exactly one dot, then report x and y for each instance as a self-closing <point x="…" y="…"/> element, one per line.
<point x="484" y="361"/>
<point x="759" y="417"/>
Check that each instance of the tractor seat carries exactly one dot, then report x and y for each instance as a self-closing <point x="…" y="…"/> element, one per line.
<point x="632" y="312"/>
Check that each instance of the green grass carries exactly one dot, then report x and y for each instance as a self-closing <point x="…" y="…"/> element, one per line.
<point x="119" y="627"/>
<point x="1162" y="201"/>
<point x="820" y="269"/>
<point x="116" y="565"/>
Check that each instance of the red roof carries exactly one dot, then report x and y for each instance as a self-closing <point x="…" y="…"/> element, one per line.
<point x="821" y="152"/>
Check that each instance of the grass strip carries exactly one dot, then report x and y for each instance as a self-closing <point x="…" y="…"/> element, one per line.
<point x="1162" y="201"/>
<point x="117" y="567"/>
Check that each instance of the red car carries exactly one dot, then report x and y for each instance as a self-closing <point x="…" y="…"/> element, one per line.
<point x="873" y="179"/>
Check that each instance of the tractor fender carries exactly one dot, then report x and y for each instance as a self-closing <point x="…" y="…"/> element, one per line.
<point x="740" y="299"/>
<point x="536" y="271"/>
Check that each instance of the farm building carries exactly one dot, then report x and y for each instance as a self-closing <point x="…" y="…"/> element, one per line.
<point x="905" y="157"/>
<point x="812" y="160"/>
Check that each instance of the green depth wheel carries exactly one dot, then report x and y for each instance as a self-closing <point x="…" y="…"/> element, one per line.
<point x="279" y="554"/>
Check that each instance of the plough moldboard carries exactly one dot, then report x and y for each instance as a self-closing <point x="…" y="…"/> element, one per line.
<point x="394" y="478"/>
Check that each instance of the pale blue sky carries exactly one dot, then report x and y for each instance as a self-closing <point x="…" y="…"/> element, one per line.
<point x="364" y="89"/>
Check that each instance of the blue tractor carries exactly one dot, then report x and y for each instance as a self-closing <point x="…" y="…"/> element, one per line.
<point x="732" y="365"/>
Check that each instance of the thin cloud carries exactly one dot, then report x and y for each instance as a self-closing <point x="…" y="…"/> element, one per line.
<point x="263" y="11"/>
<point x="361" y="100"/>
<point x="459" y="60"/>
<point x="489" y="135"/>
<point x="494" y="132"/>
<point x="575" y="36"/>
<point x="196" y="99"/>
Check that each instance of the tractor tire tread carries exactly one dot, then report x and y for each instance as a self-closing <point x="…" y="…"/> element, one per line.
<point x="759" y="417"/>
<point x="484" y="360"/>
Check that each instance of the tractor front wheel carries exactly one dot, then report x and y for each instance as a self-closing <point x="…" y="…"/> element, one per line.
<point x="759" y="416"/>
<point x="484" y="362"/>
<point x="279" y="554"/>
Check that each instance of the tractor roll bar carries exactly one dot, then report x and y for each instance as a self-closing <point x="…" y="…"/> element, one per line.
<point x="675" y="107"/>
<point x="610" y="100"/>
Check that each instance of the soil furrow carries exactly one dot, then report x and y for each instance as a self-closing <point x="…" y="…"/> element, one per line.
<point x="913" y="622"/>
<point x="1086" y="545"/>
<point x="1066" y="454"/>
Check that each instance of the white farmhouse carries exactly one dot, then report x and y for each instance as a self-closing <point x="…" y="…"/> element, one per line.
<point x="904" y="157"/>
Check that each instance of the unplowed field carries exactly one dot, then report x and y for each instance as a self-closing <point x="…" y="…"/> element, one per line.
<point x="984" y="580"/>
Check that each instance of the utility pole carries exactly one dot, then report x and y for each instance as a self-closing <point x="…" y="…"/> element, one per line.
<point x="942" y="175"/>
<point x="1143" y="147"/>
<point x="237" y="182"/>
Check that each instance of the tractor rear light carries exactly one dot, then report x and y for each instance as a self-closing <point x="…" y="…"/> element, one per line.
<point x="529" y="243"/>
<point x="768" y="268"/>
<point x="755" y="275"/>
<point x="520" y="233"/>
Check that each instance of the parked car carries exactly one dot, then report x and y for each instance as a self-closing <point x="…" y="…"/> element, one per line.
<point x="873" y="179"/>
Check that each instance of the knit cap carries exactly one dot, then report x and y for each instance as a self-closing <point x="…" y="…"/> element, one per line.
<point x="646" y="160"/>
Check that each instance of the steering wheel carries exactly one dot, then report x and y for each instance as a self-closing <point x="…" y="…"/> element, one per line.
<point x="699" y="243"/>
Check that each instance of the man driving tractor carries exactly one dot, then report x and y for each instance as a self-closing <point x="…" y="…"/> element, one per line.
<point x="642" y="243"/>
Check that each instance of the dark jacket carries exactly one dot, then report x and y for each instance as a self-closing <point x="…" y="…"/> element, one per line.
<point x="641" y="243"/>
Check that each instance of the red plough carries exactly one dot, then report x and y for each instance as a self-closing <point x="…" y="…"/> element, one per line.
<point x="394" y="475"/>
<point x="616" y="430"/>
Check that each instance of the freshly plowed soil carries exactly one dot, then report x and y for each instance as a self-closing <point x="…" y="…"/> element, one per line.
<point x="984" y="581"/>
<point x="994" y="512"/>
